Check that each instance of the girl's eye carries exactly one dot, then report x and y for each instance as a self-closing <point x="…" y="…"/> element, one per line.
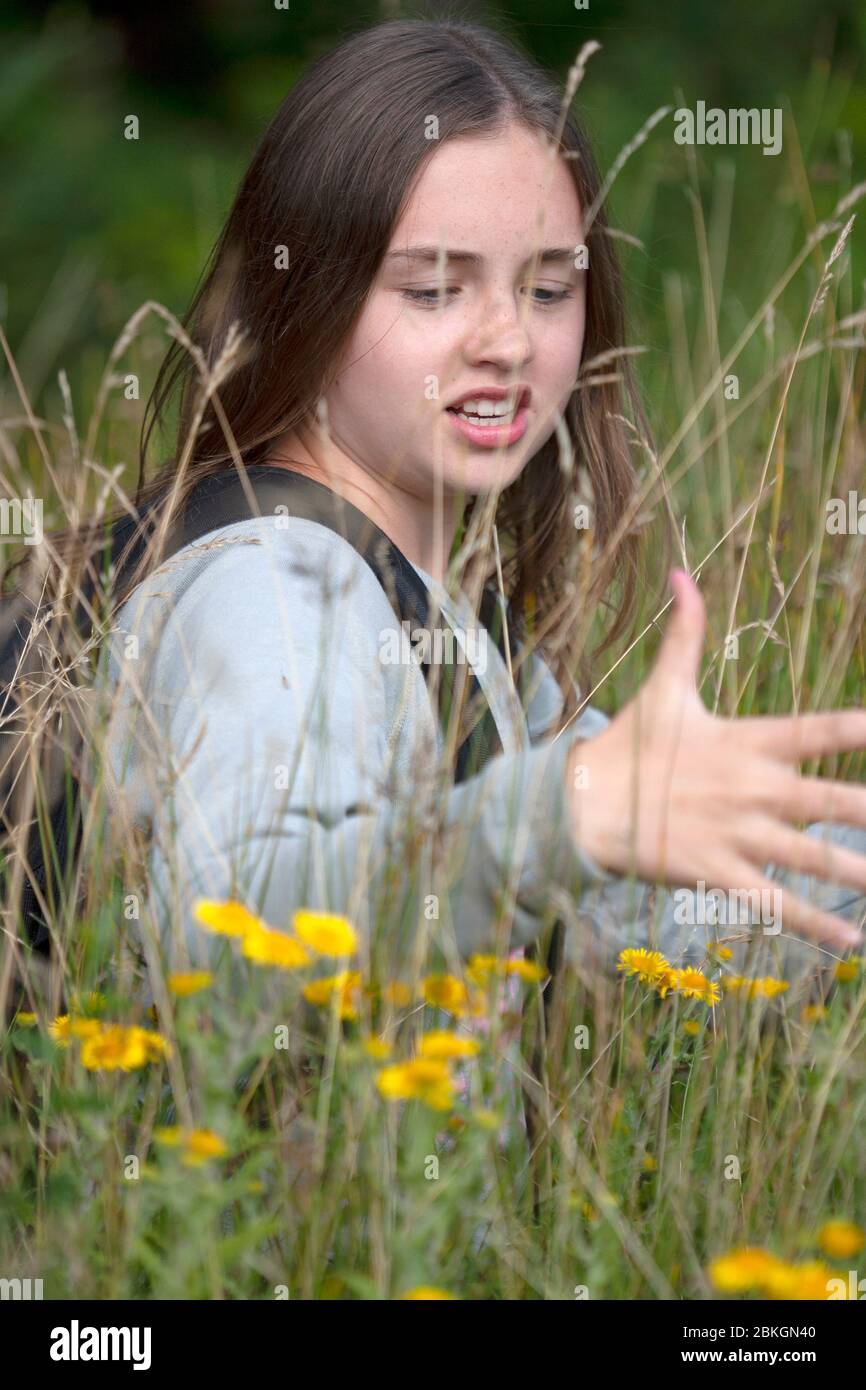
<point x="431" y="296"/>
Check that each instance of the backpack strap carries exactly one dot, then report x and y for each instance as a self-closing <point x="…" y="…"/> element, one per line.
<point x="222" y="499"/>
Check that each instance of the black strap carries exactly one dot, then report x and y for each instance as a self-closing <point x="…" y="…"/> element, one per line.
<point x="221" y="499"/>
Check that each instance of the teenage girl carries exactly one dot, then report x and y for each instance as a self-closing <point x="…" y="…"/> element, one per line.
<point x="403" y="261"/>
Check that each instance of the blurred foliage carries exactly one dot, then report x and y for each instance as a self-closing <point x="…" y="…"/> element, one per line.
<point x="93" y="224"/>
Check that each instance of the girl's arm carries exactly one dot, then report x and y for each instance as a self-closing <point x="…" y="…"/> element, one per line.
<point x="283" y="760"/>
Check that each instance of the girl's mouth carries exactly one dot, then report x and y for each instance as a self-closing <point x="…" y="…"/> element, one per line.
<point x="489" y="432"/>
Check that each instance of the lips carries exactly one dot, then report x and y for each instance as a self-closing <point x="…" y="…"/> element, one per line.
<point x="491" y="436"/>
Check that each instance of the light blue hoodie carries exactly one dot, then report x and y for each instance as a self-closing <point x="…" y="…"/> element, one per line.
<point x="276" y="756"/>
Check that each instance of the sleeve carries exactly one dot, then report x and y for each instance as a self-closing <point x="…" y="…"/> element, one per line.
<point x="282" y="757"/>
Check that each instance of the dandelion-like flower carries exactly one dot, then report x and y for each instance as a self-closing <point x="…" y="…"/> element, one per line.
<point x="444" y="1044"/>
<point x="266" y="946"/>
<point x="65" y="1027"/>
<point x="448" y="993"/>
<point x="346" y="986"/>
<point x="183" y="983"/>
<point x="847" y="970"/>
<point x="114" y="1048"/>
<point x="694" y="984"/>
<point x="841" y="1240"/>
<point x="225" y="918"/>
<point x="649" y="966"/>
<point x="742" y="1270"/>
<point x="426" y="1079"/>
<point x="325" y="933"/>
<point x="198" y="1144"/>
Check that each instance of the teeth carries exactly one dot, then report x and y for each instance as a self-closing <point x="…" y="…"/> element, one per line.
<point x="485" y="407"/>
<point x="490" y="421"/>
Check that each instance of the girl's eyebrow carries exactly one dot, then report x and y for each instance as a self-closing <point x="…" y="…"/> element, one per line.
<point x="551" y="254"/>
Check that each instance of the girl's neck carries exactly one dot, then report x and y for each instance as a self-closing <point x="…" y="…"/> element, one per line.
<point x="421" y="529"/>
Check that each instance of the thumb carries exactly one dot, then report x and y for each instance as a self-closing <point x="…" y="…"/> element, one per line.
<point x="679" y="656"/>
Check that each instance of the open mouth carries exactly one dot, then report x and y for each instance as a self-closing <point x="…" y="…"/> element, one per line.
<point x="500" y="426"/>
<point x="489" y="420"/>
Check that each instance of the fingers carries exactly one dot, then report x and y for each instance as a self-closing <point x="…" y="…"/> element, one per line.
<point x="796" y="916"/>
<point x="819" y="798"/>
<point x="799" y="736"/>
<point x="807" y="855"/>
<point x="680" y="652"/>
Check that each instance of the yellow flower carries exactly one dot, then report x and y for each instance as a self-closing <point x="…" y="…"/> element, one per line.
<point x="155" y="1045"/>
<point x="168" y="1134"/>
<point x="764" y="987"/>
<point x="769" y="987"/>
<point x="378" y="1048"/>
<point x="25" y="1020"/>
<point x="266" y="946"/>
<point x="649" y="966"/>
<point x="113" y="1047"/>
<point x="198" y="1144"/>
<point x="841" y="1239"/>
<point x="692" y="1027"/>
<point x="226" y="918"/>
<point x="427" y="1291"/>
<point x="528" y="970"/>
<point x="813" y="1013"/>
<point x="481" y="967"/>
<point x="64" y="1028"/>
<point x="426" y="1079"/>
<point x="847" y="970"/>
<point x="799" y="1281"/>
<point x="325" y="933"/>
<point x="694" y="984"/>
<point x="202" y="1144"/>
<point x="443" y="1044"/>
<point x="750" y="1269"/>
<point x="448" y="993"/>
<point x="649" y="1163"/>
<point x="186" y="982"/>
<point x="667" y="980"/>
<point x="346" y="986"/>
<point x="743" y="1269"/>
<point x="397" y="993"/>
<point x="719" y="952"/>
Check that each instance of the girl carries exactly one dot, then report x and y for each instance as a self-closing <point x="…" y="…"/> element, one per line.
<point x="417" y="328"/>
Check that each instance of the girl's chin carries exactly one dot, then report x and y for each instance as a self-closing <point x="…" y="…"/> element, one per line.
<point x="481" y="473"/>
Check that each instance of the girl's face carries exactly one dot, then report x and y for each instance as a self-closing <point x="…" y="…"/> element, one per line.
<point x="428" y="336"/>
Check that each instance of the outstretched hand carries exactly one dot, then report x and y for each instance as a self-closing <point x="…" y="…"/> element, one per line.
<point x="676" y="795"/>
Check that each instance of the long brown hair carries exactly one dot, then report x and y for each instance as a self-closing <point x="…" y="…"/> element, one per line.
<point x="328" y="181"/>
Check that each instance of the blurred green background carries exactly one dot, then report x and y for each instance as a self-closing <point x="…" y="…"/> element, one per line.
<point x="93" y="225"/>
